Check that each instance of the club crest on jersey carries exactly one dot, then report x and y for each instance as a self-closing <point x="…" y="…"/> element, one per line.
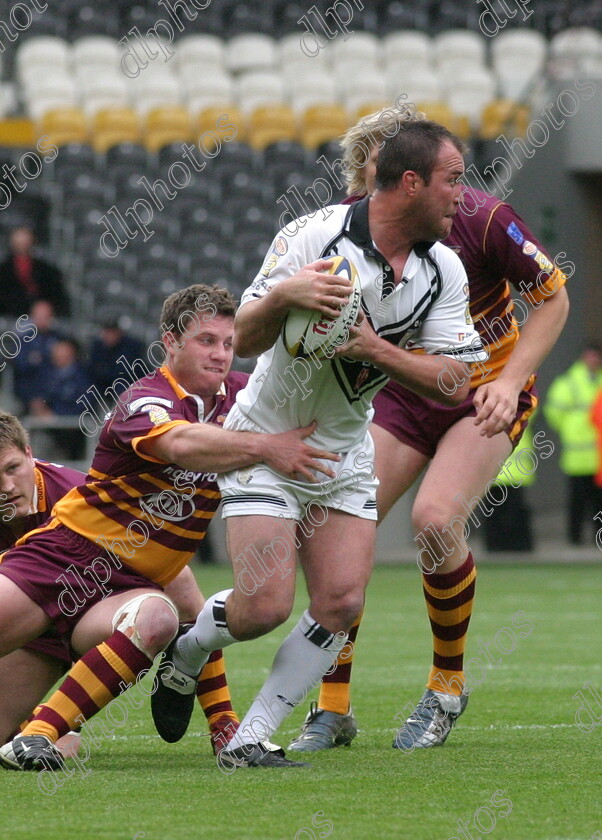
<point x="158" y="415"/>
<point x="362" y="377"/>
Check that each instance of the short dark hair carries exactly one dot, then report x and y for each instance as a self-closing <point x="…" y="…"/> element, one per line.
<point x="12" y="432"/>
<point x="194" y="302"/>
<point x="415" y="147"/>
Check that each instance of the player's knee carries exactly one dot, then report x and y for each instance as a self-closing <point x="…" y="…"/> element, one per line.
<point x="150" y="621"/>
<point x="431" y="519"/>
<point x="340" y="610"/>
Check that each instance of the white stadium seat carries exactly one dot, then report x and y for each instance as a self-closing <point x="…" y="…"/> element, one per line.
<point x="259" y="88"/>
<point x="314" y="88"/>
<point x="409" y="45"/>
<point x="97" y="51"/>
<point x="460" y="43"/>
<point x="200" y="49"/>
<point x="251" y="52"/>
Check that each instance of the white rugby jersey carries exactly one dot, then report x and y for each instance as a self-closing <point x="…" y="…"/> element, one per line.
<point x="427" y="311"/>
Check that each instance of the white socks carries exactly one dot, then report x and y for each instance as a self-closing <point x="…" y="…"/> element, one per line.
<point x="300" y="663"/>
<point x="210" y="632"/>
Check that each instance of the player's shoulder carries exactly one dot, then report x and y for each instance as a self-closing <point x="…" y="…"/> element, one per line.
<point x="320" y="225"/>
<point x="235" y="381"/>
<point x="59" y="472"/>
<point x="157" y="388"/>
<point x="445" y="257"/>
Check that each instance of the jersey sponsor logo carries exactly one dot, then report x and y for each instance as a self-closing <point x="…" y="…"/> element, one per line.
<point x="148" y="403"/>
<point x="168" y="505"/>
<point x="529" y="248"/>
<point x="543" y="262"/>
<point x="266" y="269"/>
<point x="180" y="476"/>
<point x="514" y="233"/>
<point x="280" y="246"/>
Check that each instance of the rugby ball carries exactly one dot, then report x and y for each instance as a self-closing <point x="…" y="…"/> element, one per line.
<point x="306" y="333"/>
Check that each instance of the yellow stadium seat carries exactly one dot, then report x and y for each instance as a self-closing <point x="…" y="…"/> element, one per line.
<point x="115" y="125"/>
<point x="271" y="123"/>
<point x="167" y="124"/>
<point x="441" y="112"/>
<point x="219" y="121"/>
<point x="503" y="116"/>
<point x="321" y="123"/>
<point x="370" y="108"/>
<point x="64" y="125"/>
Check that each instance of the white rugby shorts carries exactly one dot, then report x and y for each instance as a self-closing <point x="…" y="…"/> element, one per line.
<point x="261" y="491"/>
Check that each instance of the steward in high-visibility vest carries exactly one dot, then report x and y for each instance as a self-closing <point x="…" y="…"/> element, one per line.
<point x="567" y="409"/>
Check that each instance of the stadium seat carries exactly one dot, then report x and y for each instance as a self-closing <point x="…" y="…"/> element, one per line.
<point x="64" y="125"/>
<point x="287" y="152"/>
<point x="363" y="48"/>
<point x="257" y="88"/>
<point x="124" y="160"/>
<point x="42" y="52"/>
<point x="98" y="51"/>
<point x="200" y="50"/>
<point x="419" y="85"/>
<point x="165" y="125"/>
<point x="469" y="93"/>
<point x="459" y="44"/>
<point x="409" y="45"/>
<point x="51" y="92"/>
<point x="363" y="87"/>
<point x="292" y="59"/>
<point x="573" y="48"/>
<point x="74" y="158"/>
<point x="103" y="90"/>
<point x="518" y="58"/>
<point x="270" y="123"/>
<point x="503" y="116"/>
<point x="218" y="121"/>
<point x="212" y="86"/>
<point x="321" y="123"/>
<point x="315" y="87"/>
<point x="439" y="112"/>
<point x="112" y="126"/>
<point x="251" y="52"/>
<point x="154" y="89"/>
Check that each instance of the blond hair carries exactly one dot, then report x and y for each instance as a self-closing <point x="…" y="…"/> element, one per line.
<point x="358" y="141"/>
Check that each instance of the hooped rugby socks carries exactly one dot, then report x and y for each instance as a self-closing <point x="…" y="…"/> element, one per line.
<point x="301" y="660"/>
<point x="210" y="632"/>
<point x="449" y="599"/>
<point x="213" y="691"/>
<point x="335" y="688"/>
<point x="95" y="679"/>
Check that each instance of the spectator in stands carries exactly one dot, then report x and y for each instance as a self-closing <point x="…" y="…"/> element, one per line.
<point x="107" y="349"/>
<point x="567" y="409"/>
<point x="32" y="363"/>
<point x="25" y="278"/>
<point x="65" y="381"/>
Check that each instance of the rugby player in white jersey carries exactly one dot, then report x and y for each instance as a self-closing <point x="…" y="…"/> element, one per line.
<point x="416" y="329"/>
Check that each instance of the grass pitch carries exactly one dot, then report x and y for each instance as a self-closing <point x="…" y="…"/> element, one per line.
<point x="518" y="766"/>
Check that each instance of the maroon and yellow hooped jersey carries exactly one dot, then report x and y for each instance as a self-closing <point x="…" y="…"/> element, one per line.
<point x="144" y="513"/>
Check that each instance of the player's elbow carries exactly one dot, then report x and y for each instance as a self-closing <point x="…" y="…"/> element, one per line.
<point x="457" y="396"/>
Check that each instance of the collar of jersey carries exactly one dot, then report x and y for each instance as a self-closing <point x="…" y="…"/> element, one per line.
<point x="358" y="231"/>
<point x="181" y="392"/>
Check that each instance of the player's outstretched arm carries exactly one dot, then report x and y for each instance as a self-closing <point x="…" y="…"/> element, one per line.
<point x="206" y="448"/>
<point x="258" y="322"/>
<point x="496" y="401"/>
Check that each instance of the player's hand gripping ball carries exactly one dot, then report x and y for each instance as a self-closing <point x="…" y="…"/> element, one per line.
<point x="307" y="333"/>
